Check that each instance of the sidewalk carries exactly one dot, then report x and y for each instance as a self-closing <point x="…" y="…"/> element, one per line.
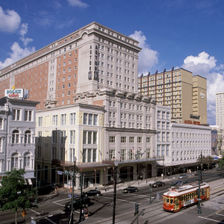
<point x="110" y="188"/>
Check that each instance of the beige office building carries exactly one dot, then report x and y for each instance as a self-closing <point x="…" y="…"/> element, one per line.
<point x="178" y="88"/>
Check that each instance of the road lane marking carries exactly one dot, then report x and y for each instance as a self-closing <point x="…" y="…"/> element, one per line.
<point x="213" y="220"/>
<point x="122" y="200"/>
<point x="57" y="202"/>
<point x="38" y="213"/>
<point x="219" y="214"/>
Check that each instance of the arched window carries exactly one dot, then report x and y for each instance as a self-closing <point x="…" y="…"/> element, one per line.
<point x="27" y="137"/>
<point x="15" y="137"/>
<point x="26" y="160"/>
<point x="14" y="161"/>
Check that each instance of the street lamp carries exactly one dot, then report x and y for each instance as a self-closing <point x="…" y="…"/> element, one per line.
<point x="73" y="173"/>
<point x="115" y="190"/>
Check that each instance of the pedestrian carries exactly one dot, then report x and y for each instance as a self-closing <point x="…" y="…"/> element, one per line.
<point x="86" y="213"/>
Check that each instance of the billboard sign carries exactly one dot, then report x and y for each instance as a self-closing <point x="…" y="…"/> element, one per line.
<point x="14" y="93"/>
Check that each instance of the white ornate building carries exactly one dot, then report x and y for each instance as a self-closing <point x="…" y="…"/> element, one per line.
<point x="17" y="135"/>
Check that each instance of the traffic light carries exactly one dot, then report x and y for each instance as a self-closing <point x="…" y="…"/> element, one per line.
<point x="136" y="208"/>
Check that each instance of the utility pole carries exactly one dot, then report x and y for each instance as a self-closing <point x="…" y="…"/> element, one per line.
<point x="199" y="185"/>
<point x="81" y="207"/>
<point x="115" y="193"/>
<point x="73" y="173"/>
<point x="36" y="190"/>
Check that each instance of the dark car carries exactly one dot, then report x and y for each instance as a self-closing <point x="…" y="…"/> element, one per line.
<point x="77" y="203"/>
<point x="183" y="176"/>
<point x="158" y="184"/>
<point x="94" y="192"/>
<point x="130" y="189"/>
<point x="179" y="183"/>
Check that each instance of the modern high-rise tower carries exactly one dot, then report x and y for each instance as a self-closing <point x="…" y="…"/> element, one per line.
<point x="184" y="93"/>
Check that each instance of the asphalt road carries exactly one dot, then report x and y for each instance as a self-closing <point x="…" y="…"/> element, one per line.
<point x="100" y="211"/>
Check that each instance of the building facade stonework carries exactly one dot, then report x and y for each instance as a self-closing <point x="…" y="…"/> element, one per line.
<point x="17" y="135"/>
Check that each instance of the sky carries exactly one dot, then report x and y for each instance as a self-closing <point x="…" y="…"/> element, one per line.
<point x="179" y="33"/>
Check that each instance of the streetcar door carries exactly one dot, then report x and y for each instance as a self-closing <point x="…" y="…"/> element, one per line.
<point x="176" y="204"/>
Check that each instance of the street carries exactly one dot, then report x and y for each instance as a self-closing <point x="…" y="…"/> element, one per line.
<point x="100" y="209"/>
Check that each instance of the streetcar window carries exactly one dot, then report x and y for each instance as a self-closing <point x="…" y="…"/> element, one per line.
<point x="171" y="201"/>
<point x="167" y="200"/>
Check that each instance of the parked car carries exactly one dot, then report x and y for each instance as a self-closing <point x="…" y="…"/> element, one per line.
<point x="158" y="184"/>
<point x="77" y="203"/>
<point x="94" y="192"/>
<point x="179" y="183"/>
<point x="130" y="189"/>
<point x="182" y="176"/>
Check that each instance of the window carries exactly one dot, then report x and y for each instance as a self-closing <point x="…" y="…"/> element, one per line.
<point x="15" y="137"/>
<point x="72" y="137"/>
<point x="72" y="118"/>
<point x="40" y="121"/>
<point x="89" y="155"/>
<point x="55" y="120"/>
<point x="54" y="136"/>
<point x="131" y="154"/>
<point x="147" y="153"/>
<point x="84" y="156"/>
<point x="112" y="139"/>
<point x="131" y="139"/>
<point x="91" y="118"/>
<point x="1" y="123"/>
<point x="26" y="160"/>
<point x="63" y="119"/>
<point x="123" y="139"/>
<point x="28" y="115"/>
<point x="89" y="137"/>
<point x="27" y="137"/>
<point x="94" y="137"/>
<point x="147" y="139"/>
<point x="72" y="154"/>
<point x="1" y="144"/>
<point x="54" y="152"/>
<point x="85" y="118"/>
<point x="16" y="114"/>
<point x="63" y="137"/>
<point x="94" y="155"/>
<point x="123" y="154"/>
<point x="14" y="161"/>
<point x="1" y="165"/>
<point x="95" y="119"/>
<point x="139" y="139"/>
<point x="111" y="154"/>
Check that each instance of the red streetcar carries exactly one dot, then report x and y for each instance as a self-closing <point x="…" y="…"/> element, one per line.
<point x="177" y="198"/>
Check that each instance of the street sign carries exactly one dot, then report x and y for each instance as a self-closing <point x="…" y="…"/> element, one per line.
<point x="60" y="172"/>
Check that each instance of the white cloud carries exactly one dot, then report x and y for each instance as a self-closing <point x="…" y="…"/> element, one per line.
<point x="215" y="84"/>
<point x="201" y="64"/>
<point x="16" y="53"/>
<point x="9" y="20"/>
<point x="77" y="3"/>
<point x="23" y="31"/>
<point x="147" y="57"/>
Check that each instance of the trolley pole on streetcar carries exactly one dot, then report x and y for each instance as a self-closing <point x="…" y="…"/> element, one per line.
<point x="150" y="193"/>
<point x="199" y="185"/>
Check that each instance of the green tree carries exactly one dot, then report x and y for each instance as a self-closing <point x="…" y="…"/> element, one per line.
<point x="221" y="163"/>
<point x="14" y="193"/>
